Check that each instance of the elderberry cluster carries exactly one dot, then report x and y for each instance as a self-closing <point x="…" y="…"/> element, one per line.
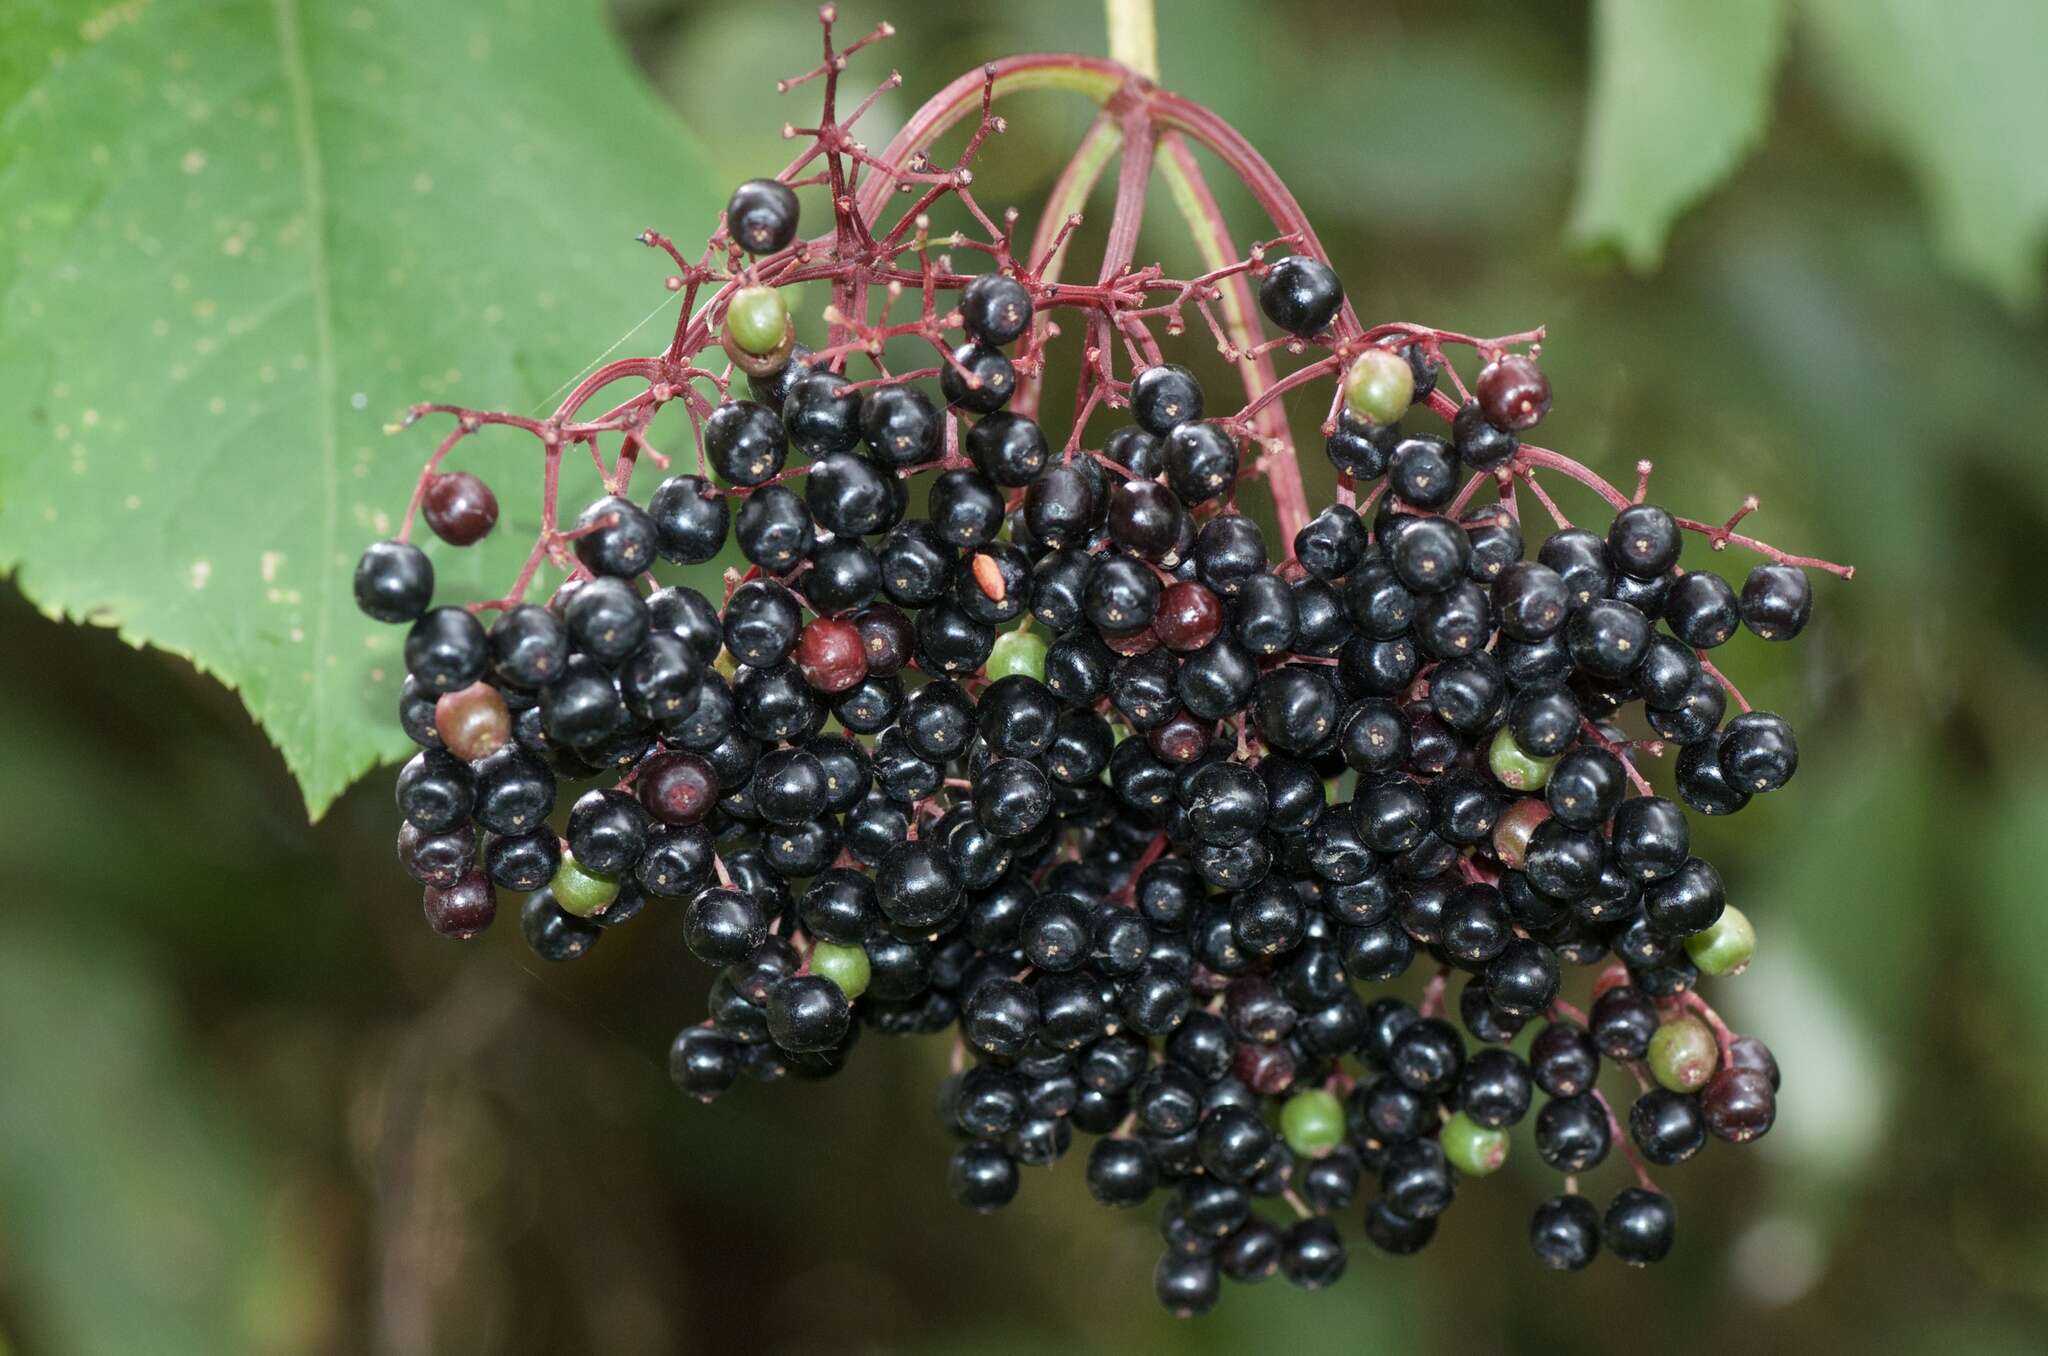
<point x="1057" y="754"/>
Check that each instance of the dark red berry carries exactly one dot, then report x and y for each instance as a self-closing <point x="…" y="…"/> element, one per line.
<point x="677" y="788"/>
<point x="461" y="910"/>
<point x="1189" y="617"/>
<point x="831" y="655"/>
<point x="1513" y="392"/>
<point x="459" y="507"/>
<point x="472" y="721"/>
<point x="1739" y="1105"/>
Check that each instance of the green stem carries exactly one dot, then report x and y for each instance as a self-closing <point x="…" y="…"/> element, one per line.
<point x="1068" y="197"/>
<point x="1204" y="218"/>
<point x="1133" y="36"/>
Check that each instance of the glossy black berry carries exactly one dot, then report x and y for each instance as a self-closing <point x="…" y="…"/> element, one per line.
<point x="1686" y="901"/>
<point x="607" y="831"/>
<point x="819" y="417"/>
<point x="1313" y="1255"/>
<point x="1480" y="444"/>
<point x="807" y="1013"/>
<point x="1121" y="1173"/>
<point x="1523" y="979"/>
<point x="761" y="623"/>
<point x="1426" y="1056"/>
<point x="852" y="496"/>
<point x="1423" y="471"/>
<point x="1429" y="554"/>
<point x="1188" y="1287"/>
<point x="1201" y="461"/>
<point x="529" y="646"/>
<point x="1757" y="752"/>
<point x="966" y="507"/>
<point x="1358" y="448"/>
<point x="1644" y="541"/>
<point x="515" y="792"/>
<point x="1163" y="397"/>
<point x="1701" y="610"/>
<point x="703" y="1062"/>
<point x="917" y="887"/>
<point x="1496" y="537"/>
<point x="982" y="1177"/>
<point x="977" y="378"/>
<point x="1295" y="709"/>
<point x="1494" y="1088"/>
<point x="1640" y="1226"/>
<point x="1395" y="1233"/>
<point x="1233" y="1142"/>
<point x="1572" y="1133"/>
<point x="446" y="649"/>
<point x="999" y="1017"/>
<point x="553" y="933"/>
<point x="1563" y="1060"/>
<point x="690" y="524"/>
<point x="745" y="442"/>
<point x="1301" y="295"/>
<point x="996" y="310"/>
<point x="394" y="582"/>
<point x="900" y="425"/>
<point x="1060" y="506"/>
<point x="762" y="216"/>
<point x="1565" y="1233"/>
<point x="1332" y="543"/>
<point x="1580" y="559"/>
<point x="1415" y="1181"/>
<point x="1009" y="449"/>
<point x="1585" y="787"/>
<point x="615" y="536"/>
<point x="582" y="708"/>
<point x="1622" y="1022"/>
<point x="1011" y="797"/>
<point x="1776" y="601"/>
<point x="1544" y="723"/>
<point x="1608" y="639"/>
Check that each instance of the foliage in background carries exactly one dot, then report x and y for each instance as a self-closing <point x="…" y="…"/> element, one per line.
<point x="1681" y="93"/>
<point x="241" y="236"/>
<point x="1683" y="90"/>
<point x="246" y="1108"/>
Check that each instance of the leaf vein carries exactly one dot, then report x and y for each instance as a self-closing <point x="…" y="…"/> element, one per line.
<point x="312" y="176"/>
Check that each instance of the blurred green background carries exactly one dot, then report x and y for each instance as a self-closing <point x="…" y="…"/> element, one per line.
<point x="249" y="1104"/>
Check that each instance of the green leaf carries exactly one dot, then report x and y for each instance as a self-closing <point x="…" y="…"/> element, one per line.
<point x="1681" y="94"/>
<point x="243" y="235"/>
<point x="1957" y="93"/>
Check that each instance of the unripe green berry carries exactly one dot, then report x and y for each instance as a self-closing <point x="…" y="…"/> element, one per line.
<point x="1683" y="1054"/>
<point x="583" y="893"/>
<point x="1725" y="946"/>
<point x="846" y="966"/>
<point x="1515" y="768"/>
<point x="1380" y="386"/>
<point x="1472" y="1148"/>
<point x="1312" y="1122"/>
<point x="1017" y="653"/>
<point x="756" y="319"/>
